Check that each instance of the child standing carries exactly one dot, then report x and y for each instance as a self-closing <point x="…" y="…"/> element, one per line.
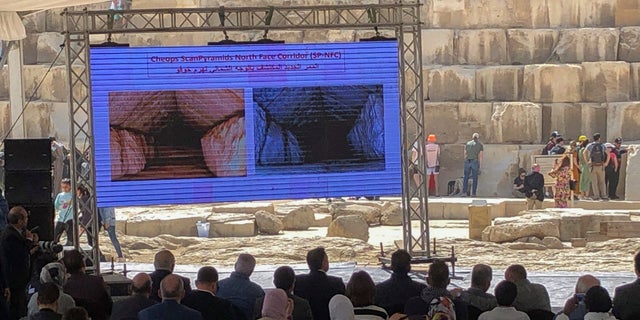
<point x="65" y="213"/>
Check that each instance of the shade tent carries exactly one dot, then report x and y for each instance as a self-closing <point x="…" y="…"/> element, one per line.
<point x="11" y="26"/>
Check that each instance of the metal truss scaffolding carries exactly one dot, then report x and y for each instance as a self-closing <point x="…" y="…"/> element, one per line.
<point x="403" y="17"/>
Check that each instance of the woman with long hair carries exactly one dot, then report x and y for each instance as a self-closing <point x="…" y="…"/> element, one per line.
<point x="563" y="176"/>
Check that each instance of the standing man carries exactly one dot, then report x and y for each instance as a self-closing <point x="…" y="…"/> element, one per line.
<point x="16" y="247"/>
<point x="613" y="182"/>
<point x="597" y="159"/>
<point x="534" y="188"/>
<point x="472" y="162"/>
<point x="317" y="286"/>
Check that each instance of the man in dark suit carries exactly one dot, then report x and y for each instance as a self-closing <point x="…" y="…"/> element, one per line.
<point x="88" y="291"/>
<point x="626" y="304"/>
<point x="128" y="309"/>
<point x="317" y="287"/>
<point x="16" y="246"/>
<point x="284" y="278"/>
<point x="172" y="291"/>
<point x="48" y="295"/>
<point x="164" y="262"/>
<point x="203" y="298"/>
<point x="392" y="294"/>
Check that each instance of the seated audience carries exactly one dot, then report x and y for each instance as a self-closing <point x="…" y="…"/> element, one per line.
<point x="626" y="305"/>
<point x="277" y="306"/>
<point x="340" y="308"/>
<point x="164" y="262"/>
<point x="47" y="303"/>
<point x="239" y="290"/>
<point x="361" y="291"/>
<point x="317" y="287"/>
<point x="436" y="296"/>
<point x="88" y="291"/>
<point x="394" y="292"/>
<point x="172" y="291"/>
<point x="598" y="303"/>
<point x="127" y="309"/>
<point x="284" y="278"/>
<point x="55" y="273"/>
<point x="76" y="313"/>
<point x="531" y="296"/>
<point x="204" y="300"/>
<point x="506" y="293"/>
<point x="574" y="307"/>
<point x="476" y="296"/>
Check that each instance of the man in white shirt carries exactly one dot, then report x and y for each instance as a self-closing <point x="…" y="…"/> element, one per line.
<point x="506" y="293"/>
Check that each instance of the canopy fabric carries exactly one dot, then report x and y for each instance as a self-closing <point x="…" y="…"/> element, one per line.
<point x="11" y="27"/>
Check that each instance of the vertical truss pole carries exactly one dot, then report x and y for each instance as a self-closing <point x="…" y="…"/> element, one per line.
<point x="413" y="133"/>
<point x="81" y="144"/>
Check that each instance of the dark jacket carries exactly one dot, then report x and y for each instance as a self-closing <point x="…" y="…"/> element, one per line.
<point x="16" y="258"/>
<point x="534" y="181"/>
<point x="169" y="310"/>
<point x="90" y="292"/>
<point x="46" y="314"/>
<point x="318" y="288"/>
<point x="626" y="305"/>
<point x="301" y="308"/>
<point x="156" y="278"/>
<point x="128" y="308"/>
<point x="210" y="306"/>
<point x="393" y="293"/>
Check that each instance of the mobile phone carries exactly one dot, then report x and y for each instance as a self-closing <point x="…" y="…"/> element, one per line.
<point x="580" y="297"/>
<point x="34" y="229"/>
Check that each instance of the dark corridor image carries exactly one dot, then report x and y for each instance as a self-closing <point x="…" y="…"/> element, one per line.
<point x="319" y="129"/>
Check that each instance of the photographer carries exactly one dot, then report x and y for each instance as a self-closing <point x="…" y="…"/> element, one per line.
<point x="575" y="307"/>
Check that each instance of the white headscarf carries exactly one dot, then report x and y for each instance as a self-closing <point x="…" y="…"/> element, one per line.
<point x="341" y="308"/>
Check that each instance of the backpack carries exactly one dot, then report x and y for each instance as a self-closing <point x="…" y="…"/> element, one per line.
<point x="597" y="154"/>
<point x="441" y="308"/>
<point x="558" y="149"/>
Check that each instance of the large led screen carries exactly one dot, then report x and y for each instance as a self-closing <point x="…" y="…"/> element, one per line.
<point x="179" y="125"/>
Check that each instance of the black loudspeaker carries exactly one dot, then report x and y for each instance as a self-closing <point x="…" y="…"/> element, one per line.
<point x="27" y="154"/>
<point x="41" y="217"/>
<point x="28" y="187"/>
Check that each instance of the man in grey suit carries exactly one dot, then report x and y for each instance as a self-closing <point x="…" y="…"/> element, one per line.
<point x="531" y="296"/>
<point x="626" y="304"/>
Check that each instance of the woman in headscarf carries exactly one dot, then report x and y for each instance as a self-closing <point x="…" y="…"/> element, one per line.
<point x="55" y="273"/>
<point x="276" y="306"/>
<point x="341" y="308"/>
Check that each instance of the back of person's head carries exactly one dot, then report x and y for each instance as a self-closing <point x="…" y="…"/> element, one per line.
<point x="207" y="274"/>
<point x="48" y="294"/>
<point x="283" y="278"/>
<point x="76" y="313"/>
<point x="315" y="258"/>
<point x="481" y="276"/>
<point x="636" y="263"/>
<point x="55" y="273"/>
<point x="164" y="260"/>
<point x="275" y="304"/>
<point x="73" y="261"/>
<point x="506" y="292"/>
<point x="171" y="288"/>
<point x="401" y="262"/>
<point x="360" y="289"/>
<point x="597" y="299"/>
<point x="245" y="264"/>
<point x="16" y="214"/>
<point x="141" y="284"/>
<point x="515" y="272"/>
<point x="585" y="282"/>
<point x="340" y="308"/>
<point x="438" y="274"/>
<point x="596" y="136"/>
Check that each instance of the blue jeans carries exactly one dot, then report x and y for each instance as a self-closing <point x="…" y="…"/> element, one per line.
<point x="114" y="240"/>
<point x="471" y="168"/>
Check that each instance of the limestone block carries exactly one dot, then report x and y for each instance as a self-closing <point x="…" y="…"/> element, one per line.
<point x="5" y="117"/>
<point x="329" y="35"/>
<point x="370" y="214"/>
<point x="54" y="84"/>
<point x="512" y="231"/>
<point x="30" y="49"/>
<point x="623" y="120"/>
<point x="484" y="46"/>
<point x="437" y="46"/>
<point x="591" y="221"/>
<point x="268" y="223"/>
<point x="54" y="21"/>
<point x="501" y="83"/>
<point x="629" y="45"/>
<point x="627" y="13"/>
<point x="37" y="121"/>
<point x="451" y="162"/>
<point x="60" y="123"/>
<point x="35" y="23"/>
<point x="353" y="226"/>
<point x="553" y="83"/>
<point x="525" y="246"/>
<point x="594" y="118"/>
<point x="48" y="47"/>
<point x="597" y="13"/>
<point x="451" y="83"/>
<point x="392" y="215"/>
<point x="530" y="46"/>
<point x="635" y="81"/>
<point x="441" y="118"/>
<point x="606" y="81"/>
<point x="564" y="117"/>
<point x="632" y="185"/>
<point x="244" y="207"/>
<point x="296" y="218"/>
<point x="446" y="13"/>
<point x="588" y="44"/>
<point x="516" y="122"/>
<point x="499" y="161"/>
<point x="474" y="117"/>
<point x="151" y="225"/>
<point x="242" y="228"/>
<point x="4" y="83"/>
<point x="322" y="220"/>
<point x="552" y="243"/>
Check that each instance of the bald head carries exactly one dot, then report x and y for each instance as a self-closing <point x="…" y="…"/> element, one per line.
<point x="164" y="260"/>
<point x="245" y="264"/>
<point x="171" y="288"/>
<point x="141" y="284"/>
<point x="586" y="282"/>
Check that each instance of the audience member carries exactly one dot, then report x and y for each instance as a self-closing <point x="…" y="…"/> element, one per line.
<point x="432" y="161"/>
<point x="204" y="300"/>
<point x="598" y="302"/>
<point x="362" y="291"/>
<point x="317" y="287"/>
<point x="47" y="303"/>
<point x="277" y="306"/>
<point x="284" y="278"/>
<point x="393" y="293"/>
<point x="534" y="188"/>
<point x="551" y="143"/>
<point x="172" y="291"/>
<point x="55" y="273"/>
<point x="127" y="309"/>
<point x="531" y="296"/>
<point x="239" y="290"/>
<point x="574" y="307"/>
<point x="436" y="296"/>
<point x="340" y="308"/>
<point x="626" y="305"/>
<point x="87" y="291"/>
<point x="518" y="189"/>
<point x="506" y="293"/>
<point x="64" y="209"/>
<point x="559" y="148"/>
<point x="76" y="313"/>
<point x="476" y="296"/>
<point x="597" y="158"/>
<point x="164" y="262"/>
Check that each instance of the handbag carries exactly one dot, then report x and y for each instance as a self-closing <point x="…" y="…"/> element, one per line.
<point x="572" y="184"/>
